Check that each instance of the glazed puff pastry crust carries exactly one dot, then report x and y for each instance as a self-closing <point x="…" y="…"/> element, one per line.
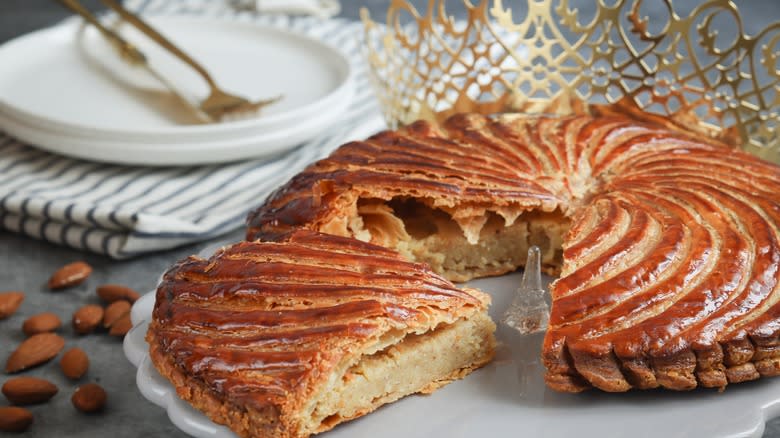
<point x="666" y="241"/>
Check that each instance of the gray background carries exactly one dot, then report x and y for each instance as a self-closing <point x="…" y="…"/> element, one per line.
<point x="26" y="264"/>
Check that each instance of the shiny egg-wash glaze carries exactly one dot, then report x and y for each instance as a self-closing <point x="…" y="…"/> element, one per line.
<point x="696" y="304"/>
<point x="420" y="161"/>
<point x="670" y="271"/>
<point x="252" y="334"/>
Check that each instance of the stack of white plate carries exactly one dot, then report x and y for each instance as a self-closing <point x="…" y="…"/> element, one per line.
<point x="65" y="89"/>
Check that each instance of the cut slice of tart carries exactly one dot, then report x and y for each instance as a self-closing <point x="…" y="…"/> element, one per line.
<point x="292" y="337"/>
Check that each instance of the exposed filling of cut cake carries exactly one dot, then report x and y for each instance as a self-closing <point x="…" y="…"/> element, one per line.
<point x="398" y="365"/>
<point x="461" y="244"/>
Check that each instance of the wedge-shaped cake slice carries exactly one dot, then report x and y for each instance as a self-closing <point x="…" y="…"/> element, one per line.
<point x="290" y="338"/>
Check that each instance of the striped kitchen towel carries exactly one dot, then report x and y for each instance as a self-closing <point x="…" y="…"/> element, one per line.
<point x="124" y="211"/>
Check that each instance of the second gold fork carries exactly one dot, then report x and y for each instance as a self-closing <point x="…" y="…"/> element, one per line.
<point x="218" y="106"/>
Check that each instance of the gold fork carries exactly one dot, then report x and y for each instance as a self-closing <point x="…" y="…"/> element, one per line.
<point x="219" y="105"/>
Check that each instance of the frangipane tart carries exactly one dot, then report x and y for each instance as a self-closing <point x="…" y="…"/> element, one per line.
<point x="666" y="240"/>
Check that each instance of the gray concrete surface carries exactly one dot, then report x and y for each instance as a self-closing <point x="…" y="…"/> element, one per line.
<point x="25" y="264"/>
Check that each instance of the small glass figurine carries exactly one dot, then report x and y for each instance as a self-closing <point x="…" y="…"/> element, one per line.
<point x="529" y="312"/>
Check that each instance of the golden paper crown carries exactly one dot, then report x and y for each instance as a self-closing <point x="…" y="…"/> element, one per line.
<point x="430" y="66"/>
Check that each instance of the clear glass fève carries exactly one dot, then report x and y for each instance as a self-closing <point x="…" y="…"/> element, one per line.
<point x="529" y="312"/>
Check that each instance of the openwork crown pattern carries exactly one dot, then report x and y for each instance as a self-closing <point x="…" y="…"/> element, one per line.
<point x="429" y="65"/>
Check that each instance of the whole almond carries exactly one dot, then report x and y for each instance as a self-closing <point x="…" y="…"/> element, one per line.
<point x="70" y="275"/>
<point x="9" y="302"/>
<point x="74" y="363"/>
<point x="35" y="350"/>
<point x="15" y="419"/>
<point x="28" y="390"/>
<point x="114" y="311"/>
<point x="87" y="318"/>
<point x="115" y="292"/>
<point x="89" y="398"/>
<point x="41" y="323"/>
<point x="121" y="326"/>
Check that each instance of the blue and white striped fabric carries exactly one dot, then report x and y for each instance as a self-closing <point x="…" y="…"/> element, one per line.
<point x="124" y="211"/>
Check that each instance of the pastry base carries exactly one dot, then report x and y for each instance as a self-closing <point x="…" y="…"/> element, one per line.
<point x="416" y="364"/>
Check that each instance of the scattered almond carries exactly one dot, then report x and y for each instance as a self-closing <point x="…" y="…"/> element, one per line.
<point x="87" y="318"/>
<point x="41" y="323"/>
<point x="15" y="419"/>
<point x="74" y="363"/>
<point x="70" y="275"/>
<point x="114" y="311"/>
<point x="35" y="350"/>
<point x="9" y="302"/>
<point x="89" y="398"/>
<point x="121" y="326"/>
<point x="28" y="390"/>
<point x="115" y="292"/>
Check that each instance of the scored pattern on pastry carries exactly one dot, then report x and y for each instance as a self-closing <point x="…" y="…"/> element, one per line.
<point x="683" y="288"/>
<point x="262" y="329"/>
<point x="671" y="260"/>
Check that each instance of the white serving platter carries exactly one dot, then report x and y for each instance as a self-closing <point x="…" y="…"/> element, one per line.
<point x="66" y="90"/>
<point x="507" y="398"/>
